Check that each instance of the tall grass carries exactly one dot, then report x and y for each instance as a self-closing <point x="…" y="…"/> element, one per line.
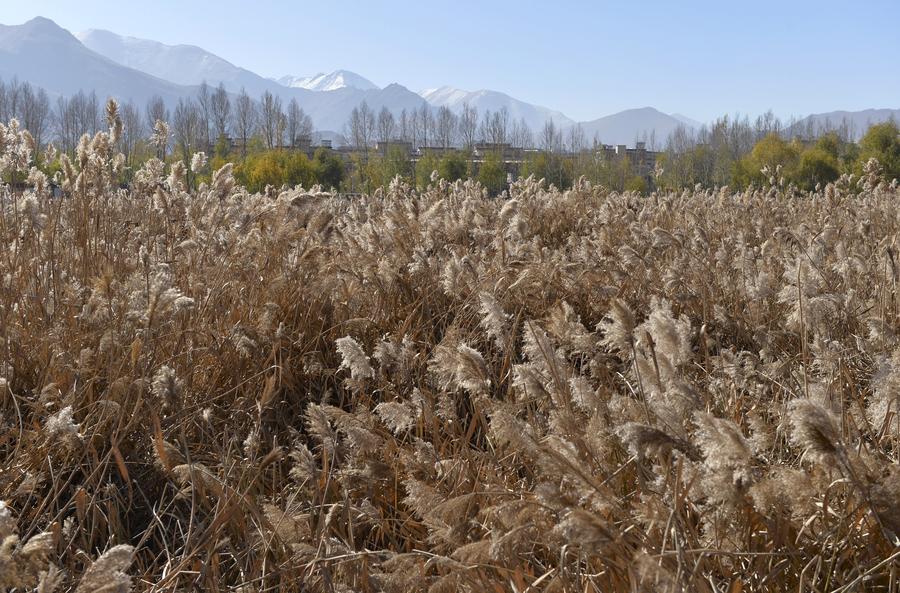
<point x="440" y="391"/>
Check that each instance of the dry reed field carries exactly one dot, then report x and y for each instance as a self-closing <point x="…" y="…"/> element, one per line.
<point x="209" y="390"/>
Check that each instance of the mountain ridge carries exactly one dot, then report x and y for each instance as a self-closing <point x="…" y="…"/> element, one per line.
<point x="128" y="68"/>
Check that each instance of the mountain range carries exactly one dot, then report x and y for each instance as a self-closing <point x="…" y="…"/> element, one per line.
<point x="131" y="69"/>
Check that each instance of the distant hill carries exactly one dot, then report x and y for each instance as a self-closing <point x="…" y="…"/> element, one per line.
<point x="630" y="125"/>
<point x="182" y="64"/>
<point x="856" y="122"/>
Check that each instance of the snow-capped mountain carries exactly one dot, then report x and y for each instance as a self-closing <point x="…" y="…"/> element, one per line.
<point x="128" y="68"/>
<point x="534" y="115"/>
<point x="329" y="82"/>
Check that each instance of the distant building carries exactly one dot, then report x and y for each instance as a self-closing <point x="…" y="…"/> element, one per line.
<point x="642" y="161"/>
<point x="506" y="151"/>
<point x="383" y="148"/>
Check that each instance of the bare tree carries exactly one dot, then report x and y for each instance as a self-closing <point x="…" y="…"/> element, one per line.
<point x="299" y="124"/>
<point x="34" y="111"/>
<point x="426" y="122"/>
<point x="386" y="125"/>
<point x="66" y="132"/>
<point x="415" y="128"/>
<point x="11" y="99"/>
<point x="74" y="116"/>
<point x="445" y="127"/>
<point x="271" y="116"/>
<point x="468" y="125"/>
<point x="187" y="127"/>
<point x="361" y="126"/>
<point x="495" y="126"/>
<point x="521" y="135"/>
<point x="156" y="110"/>
<point x="500" y="126"/>
<point x="550" y="137"/>
<point x="4" y="110"/>
<point x="132" y="132"/>
<point x="88" y="106"/>
<point x="204" y="105"/>
<point x="576" y="139"/>
<point x="245" y="118"/>
<point x="220" y="108"/>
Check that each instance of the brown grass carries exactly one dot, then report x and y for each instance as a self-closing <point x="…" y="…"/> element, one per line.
<point x="441" y="391"/>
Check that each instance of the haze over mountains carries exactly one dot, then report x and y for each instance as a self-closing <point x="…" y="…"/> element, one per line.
<point x="128" y="68"/>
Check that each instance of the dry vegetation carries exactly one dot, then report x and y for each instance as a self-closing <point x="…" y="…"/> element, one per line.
<point x="443" y="391"/>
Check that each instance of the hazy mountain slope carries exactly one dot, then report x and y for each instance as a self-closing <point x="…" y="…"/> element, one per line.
<point x="181" y="64"/>
<point x="331" y="109"/>
<point x="535" y="115"/>
<point x="687" y="121"/>
<point x="856" y="121"/>
<point x="50" y="57"/>
<point x="633" y="124"/>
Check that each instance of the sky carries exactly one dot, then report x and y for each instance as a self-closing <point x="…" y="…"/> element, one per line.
<point x="587" y="59"/>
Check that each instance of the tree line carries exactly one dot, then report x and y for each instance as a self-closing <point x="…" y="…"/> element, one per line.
<point x="252" y="132"/>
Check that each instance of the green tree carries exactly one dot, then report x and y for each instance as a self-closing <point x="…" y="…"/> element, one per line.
<point x="817" y="165"/>
<point x="395" y="162"/>
<point x="553" y="168"/>
<point x="768" y="154"/>
<point x="882" y="142"/>
<point x="427" y="164"/>
<point x="329" y="168"/>
<point x="492" y="173"/>
<point x="636" y="183"/>
<point x="453" y="166"/>
<point x="276" y="168"/>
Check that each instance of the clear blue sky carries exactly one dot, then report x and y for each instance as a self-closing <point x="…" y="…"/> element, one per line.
<point x="586" y="58"/>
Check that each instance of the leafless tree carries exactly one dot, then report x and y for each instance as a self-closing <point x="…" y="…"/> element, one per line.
<point x="271" y="119"/>
<point x="4" y="113"/>
<point x="9" y="106"/>
<point x="445" y="127"/>
<point x="521" y="135"/>
<point x="133" y="132"/>
<point x="576" y="139"/>
<point x="386" y="125"/>
<point x="66" y="132"/>
<point x="299" y="124"/>
<point x="156" y="111"/>
<point x="75" y="116"/>
<point x="495" y="126"/>
<point x="34" y="111"/>
<point x="550" y="137"/>
<point x="245" y="118"/>
<point x="415" y="129"/>
<point x="204" y="105"/>
<point x="361" y="126"/>
<point x="468" y="125"/>
<point x="220" y="107"/>
<point x="426" y="122"/>
<point x="187" y="128"/>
